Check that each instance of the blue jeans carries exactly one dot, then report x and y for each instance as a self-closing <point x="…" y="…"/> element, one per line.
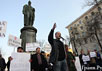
<point x="61" y="66"/>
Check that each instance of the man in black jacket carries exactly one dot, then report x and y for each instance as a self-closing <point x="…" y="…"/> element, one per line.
<point x="39" y="62"/>
<point x="57" y="55"/>
<point x="2" y="63"/>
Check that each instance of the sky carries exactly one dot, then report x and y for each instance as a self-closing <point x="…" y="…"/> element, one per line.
<point x="47" y="12"/>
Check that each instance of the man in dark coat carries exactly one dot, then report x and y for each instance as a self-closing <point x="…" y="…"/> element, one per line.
<point x="8" y="63"/>
<point x="2" y="63"/>
<point x="57" y="55"/>
<point x="81" y="60"/>
<point x="39" y="62"/>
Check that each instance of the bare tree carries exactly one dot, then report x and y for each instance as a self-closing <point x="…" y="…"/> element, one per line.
<point x="93" y="26"/>
<point x="91" y="2"/>
<point x="94" y="21"/>
<point x="67" y="40"/>
<point x="41" y="42"/>
<point x="73" y="38"/>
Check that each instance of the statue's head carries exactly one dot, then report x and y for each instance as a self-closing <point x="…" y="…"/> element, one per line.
<point x="29" y="2"/>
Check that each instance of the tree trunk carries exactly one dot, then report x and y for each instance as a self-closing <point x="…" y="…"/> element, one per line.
<point x="98" y="39"/>
<point x="75" y="48"/>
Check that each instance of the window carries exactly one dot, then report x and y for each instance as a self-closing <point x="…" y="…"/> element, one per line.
<point x="83" y="33"/>
<point x="99" y="8"/>
<point x="81" y="27"/>
<point x="70" y="28"/>
<point x="80" y="22"/>
<point x="77" y="24"/>
<point x="92" y="13"/>
<point x="78" y="36"/>
<point x="71" y="32"/>
<point x="86" y="17"/>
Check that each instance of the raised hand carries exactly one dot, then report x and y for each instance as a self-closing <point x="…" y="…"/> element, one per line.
<point x="54" y="26"/>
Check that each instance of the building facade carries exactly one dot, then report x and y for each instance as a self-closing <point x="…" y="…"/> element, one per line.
<point x="86" y="31"/>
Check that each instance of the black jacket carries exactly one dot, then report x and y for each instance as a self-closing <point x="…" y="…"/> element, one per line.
<point x="8" y="65"/>
<point x="81" y="60"/>
<point x="2" y="64"/>
<point x="36" y="66"/>
<point x="55" y="48"/>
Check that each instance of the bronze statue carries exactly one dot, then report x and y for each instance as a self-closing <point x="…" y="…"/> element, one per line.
<point x="29" y="14"/>
<point x="28" y="32"/>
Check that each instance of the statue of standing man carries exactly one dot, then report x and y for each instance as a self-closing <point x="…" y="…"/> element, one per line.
<point x="29" y="14"/>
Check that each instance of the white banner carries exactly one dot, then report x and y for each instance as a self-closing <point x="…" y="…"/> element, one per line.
<point x="14" y="41"/>
<point x="77" y="64"/>
<point x="3" y="26"/>
<point x="92" y="54"/>
<point x="86" y="58"/>
<point x="20" y="62"/>
<point x="32" y="46"/>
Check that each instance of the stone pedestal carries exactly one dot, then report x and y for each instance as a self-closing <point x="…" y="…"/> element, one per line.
<point x="28" y="35"/>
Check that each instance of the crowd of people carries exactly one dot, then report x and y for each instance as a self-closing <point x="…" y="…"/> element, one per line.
<point x="93" y="63"/>
<point x="39" y="61"/>
<point x="59" y="59"/>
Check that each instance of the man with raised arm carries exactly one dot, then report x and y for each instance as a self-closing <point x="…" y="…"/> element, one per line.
<point x="57" y="55"/>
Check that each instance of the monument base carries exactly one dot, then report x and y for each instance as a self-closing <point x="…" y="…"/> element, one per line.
<point x="28" y="35"/>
